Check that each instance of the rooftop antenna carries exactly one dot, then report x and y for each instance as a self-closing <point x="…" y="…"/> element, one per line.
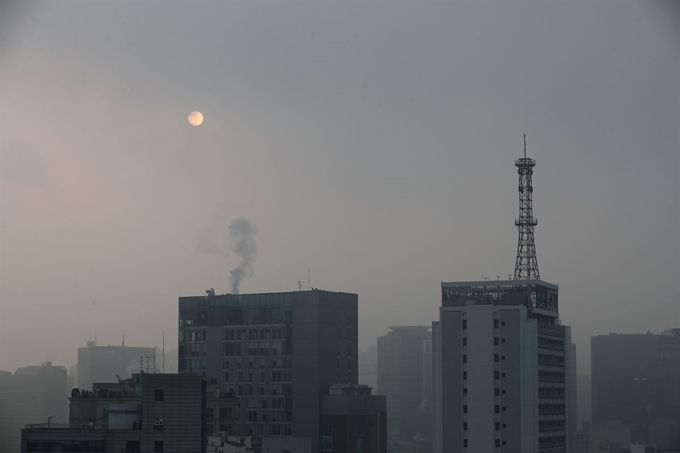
<point x="163" y="361"/>
<point x="299" y="285"/>
<point x="309" y="273"/>
<point x="123" y="338"/>
<point x="526" y="265"/>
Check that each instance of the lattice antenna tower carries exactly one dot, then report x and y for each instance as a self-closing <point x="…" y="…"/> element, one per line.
<point x="526" y="265"/>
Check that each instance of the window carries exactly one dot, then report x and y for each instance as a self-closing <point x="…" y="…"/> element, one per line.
<point x="502" y="357"/>
<point x="465" y="409"/>
<point x="498" y="426"/>
<point x="326" y="430"/>
<point x="502" y="340"/>
<point x="504" y="408"/>
<point x="503" y="392"/>
<point x="498" y="409"/>
<point x="498" y="442"/>
<point x="504" y="425"/>
<point x="465" y="442"/>
<point x="158" y="396"/>
<point x="503" y="375"/>
<point x="497" y="374"/>
<point x="505" y="443"/>
<point x="503" y="324"/>
<point x="225" y="412"/>
<point x="359" y="443"/>
<point x="464" y="341"/>
<point x="464" y="375"/>
<point x="465" y="391"/>
<point x="132" y="446"/>
<point x="496" y="358"/>
<point x="496" y="340"/>
<point x="464" y="323"/>
<point x="495" y="323"/>
<point x="360" y="430"/>
<point x="464" y="358"/>
<point x="465" y="426"/>
<point x="497" y="392"/>
<point x="158" y="446"/>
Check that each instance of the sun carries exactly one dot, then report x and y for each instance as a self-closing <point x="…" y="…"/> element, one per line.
<point x="195" y="118"/>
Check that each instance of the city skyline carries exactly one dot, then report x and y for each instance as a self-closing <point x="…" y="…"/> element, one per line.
<point x="373" y="157"/>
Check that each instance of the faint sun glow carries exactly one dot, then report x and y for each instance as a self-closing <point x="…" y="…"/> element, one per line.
<point x="195" y="118"/>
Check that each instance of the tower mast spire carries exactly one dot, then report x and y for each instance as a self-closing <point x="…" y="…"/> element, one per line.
<point x="526" y="265"/>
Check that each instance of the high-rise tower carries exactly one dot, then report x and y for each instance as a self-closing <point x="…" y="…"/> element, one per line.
<point x="503" y="364"/>
<point x="526" y="266"/>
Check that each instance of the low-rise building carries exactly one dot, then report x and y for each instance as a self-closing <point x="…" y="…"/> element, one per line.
<point x="353" y="420"/>
<point x="147" y="413"/>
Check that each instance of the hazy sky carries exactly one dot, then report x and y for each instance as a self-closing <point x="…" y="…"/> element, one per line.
<point x="372" y="143"/>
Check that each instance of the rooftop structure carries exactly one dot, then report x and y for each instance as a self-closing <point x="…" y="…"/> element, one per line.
<point x="526" y="265"/>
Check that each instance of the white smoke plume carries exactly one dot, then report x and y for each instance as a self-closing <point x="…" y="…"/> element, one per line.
<point x="242" y="233"/>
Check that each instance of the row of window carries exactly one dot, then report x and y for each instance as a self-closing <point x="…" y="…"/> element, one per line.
<point x="261" y="377"/>
<point x="134" y="446"/>
<point x="496" y="323"/>
<point x="270" y="429"/>
<point x="262" y="390"/>
<point x="498" y="443"/>
<point x="251" y="363"/>
<point x="66" y="446"/>
<point x="262" y="333"/>
<point x="255" y="348"/>
<point x="270" y="416"/>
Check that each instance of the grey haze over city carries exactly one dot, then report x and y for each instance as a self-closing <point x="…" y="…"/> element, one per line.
<point x="370" y="145"/>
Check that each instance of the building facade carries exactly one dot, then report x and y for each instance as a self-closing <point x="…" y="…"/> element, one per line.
<point x="635" y="381"/>
<point x="277" y="352"/>
<point x="147" y="413"/>
<point x="400" y="379"/>
<point x="103" y="363"/>
<point x="31" y="394"/>
<point x="504" y="369"/>
<point x="353" y="420"/>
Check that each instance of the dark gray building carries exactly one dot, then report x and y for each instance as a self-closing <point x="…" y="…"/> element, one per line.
<point x="147" y="413"/>
<point x="584" y="400"/>
<point x="31" y="395"/>
<point x="504" y="369"/>
<point x="104" y="363"/>
<point x="277" y="352"/>
<point x="635" y="381"/>
<point x="353" y="420"/>
<point x="400" y="379"/>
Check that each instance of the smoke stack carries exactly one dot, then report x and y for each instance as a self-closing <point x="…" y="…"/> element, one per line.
<point x="242" y="233"/>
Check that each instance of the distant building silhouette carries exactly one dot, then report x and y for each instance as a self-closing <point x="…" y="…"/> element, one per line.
<point x="400" y="378"/>
<point x="635" y="380"/>
<point x="103" y="363"/>
<point x="368" y="367"/>
<point x="584" y="411"/>
<point x="31" y="395"/>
